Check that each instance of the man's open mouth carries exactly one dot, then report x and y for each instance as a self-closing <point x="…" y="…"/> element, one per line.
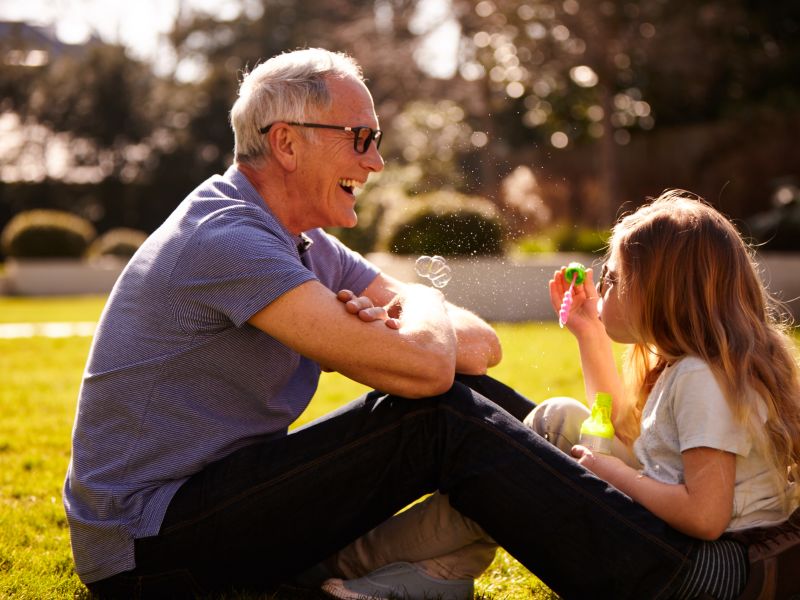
<point x="350" y="185"/>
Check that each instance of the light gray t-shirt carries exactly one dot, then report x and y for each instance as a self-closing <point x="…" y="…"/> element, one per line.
<point x="687" y="409"/>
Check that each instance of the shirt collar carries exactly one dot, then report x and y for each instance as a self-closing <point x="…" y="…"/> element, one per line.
<point x="250" y="194"/>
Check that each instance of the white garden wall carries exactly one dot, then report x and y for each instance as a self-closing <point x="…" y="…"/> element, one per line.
<point x="503" y="289"/>
<point x="498" y="289"/>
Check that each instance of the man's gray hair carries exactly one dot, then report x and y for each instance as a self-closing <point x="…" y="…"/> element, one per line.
<point x="288" y="87"/>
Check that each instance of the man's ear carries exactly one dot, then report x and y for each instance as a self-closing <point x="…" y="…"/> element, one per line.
<point x="284" y="146"/>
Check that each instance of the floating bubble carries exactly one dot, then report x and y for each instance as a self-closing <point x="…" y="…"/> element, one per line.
<point x="442" y="279"/>
<point x="434" y="268"/>
<point x="423" y="266"/>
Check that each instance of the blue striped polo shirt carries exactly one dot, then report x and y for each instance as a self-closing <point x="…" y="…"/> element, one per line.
<point x="176" y="377"/>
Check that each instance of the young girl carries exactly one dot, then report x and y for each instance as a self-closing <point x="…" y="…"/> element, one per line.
<point x="711" y="411"/>
<point x="708" y="425"/>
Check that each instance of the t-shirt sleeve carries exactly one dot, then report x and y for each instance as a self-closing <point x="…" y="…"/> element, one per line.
<point x="703" y="417"/>
<point x="337" y="266"/>
<point x="234" y="266"/>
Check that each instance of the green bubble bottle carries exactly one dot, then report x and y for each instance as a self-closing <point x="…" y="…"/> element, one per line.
<point x="597" y="432"/>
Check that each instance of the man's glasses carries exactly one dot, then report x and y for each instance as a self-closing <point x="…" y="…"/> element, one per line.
<point x="362" y="136"/>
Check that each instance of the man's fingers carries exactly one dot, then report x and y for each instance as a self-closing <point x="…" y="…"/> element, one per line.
<point x="365" y="310"/>
<point x="374" y="313"/>
<point x="345" y="295"/>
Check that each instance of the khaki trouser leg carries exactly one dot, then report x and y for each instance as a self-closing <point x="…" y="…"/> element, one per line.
<point x="431" y="534"/>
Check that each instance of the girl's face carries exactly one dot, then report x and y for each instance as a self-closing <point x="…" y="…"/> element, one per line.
<point x="613" y="308"/>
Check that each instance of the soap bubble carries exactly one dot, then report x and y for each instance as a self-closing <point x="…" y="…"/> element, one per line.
<point x="434" y="268"/>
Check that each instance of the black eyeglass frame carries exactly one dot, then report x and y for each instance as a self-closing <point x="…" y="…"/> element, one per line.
<point x="374" y="134"/>
<point x="606" y="279"/>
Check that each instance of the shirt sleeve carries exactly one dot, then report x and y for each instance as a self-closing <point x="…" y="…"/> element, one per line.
<point x="703" y="417"/>
<point x="337" y="266"/>
<point x="234" y="266"/>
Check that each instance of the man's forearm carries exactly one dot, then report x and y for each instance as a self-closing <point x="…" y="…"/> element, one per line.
<point x="478" y="345"/>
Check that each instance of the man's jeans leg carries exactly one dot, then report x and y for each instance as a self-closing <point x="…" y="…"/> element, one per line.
<point x="275" y="508"/>
<point x="431" y="533"/>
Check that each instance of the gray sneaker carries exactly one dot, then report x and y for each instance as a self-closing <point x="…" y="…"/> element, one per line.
<point x="399" y="581"/>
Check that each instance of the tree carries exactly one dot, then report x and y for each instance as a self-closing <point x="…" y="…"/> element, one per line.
<point x="103" y="98"/>
<point x="577" y="72"/>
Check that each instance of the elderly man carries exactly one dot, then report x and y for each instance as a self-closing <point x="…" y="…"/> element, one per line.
<point x="184" y="477"/>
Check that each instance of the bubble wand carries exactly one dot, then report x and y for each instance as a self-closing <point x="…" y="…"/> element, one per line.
<point x="575" y="274"/>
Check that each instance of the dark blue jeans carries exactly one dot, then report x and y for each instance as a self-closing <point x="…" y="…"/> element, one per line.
<point x="273" y="509"/>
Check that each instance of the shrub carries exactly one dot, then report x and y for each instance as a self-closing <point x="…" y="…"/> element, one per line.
<point x="121" y="242"/>
<point x="565" y="239"/>
<point x="449" y="224"/>
<point x="582" y="239"/>
<point x="46" y="234"/>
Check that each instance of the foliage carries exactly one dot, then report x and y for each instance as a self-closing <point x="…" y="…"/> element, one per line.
<point x="433" y="135"/>
<point x="564" y="238"/>
<point x="579" y="68"/>
<point x="121" y="242"/>
<point x="46" y="234"/>
<point x="570" y="74"/>
<point x="449" y="224"/>
<point x="536" y="81"/>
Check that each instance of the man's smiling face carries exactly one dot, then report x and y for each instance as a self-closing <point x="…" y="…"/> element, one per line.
<point x="331" y="168"/>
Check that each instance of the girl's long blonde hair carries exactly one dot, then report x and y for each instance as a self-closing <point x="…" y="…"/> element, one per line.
<point x="695" y="284"/>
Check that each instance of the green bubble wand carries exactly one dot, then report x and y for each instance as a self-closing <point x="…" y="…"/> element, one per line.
<point x="575" y="274"/>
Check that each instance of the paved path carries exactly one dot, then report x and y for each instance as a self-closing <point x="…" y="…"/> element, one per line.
<point x="51" y="330"/>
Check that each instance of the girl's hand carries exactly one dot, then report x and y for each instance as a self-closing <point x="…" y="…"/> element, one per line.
<point x="583" y="313"/>
<point x="602" y="465"/>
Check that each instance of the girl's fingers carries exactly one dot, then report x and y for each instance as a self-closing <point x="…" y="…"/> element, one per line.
<point x="556" y="287"/>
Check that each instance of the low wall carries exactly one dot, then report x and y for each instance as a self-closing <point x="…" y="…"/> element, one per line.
<point x="504" y="289"/>
<point x="61" y="277"/>
<point x="498" y="289"/>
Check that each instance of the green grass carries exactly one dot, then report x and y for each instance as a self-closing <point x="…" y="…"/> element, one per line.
<point x="39" y="310"/>
<point x="40" y="379"/>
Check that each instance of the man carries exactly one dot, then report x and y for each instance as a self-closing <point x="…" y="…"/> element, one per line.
<point x="213" y="338"/>
<point x="184" y="478"/>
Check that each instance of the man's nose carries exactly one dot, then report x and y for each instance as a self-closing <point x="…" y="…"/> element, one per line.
<point x="372" y="159"/>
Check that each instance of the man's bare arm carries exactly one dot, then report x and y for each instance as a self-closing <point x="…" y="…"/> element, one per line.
<point x="478" y="345"/>
<point x="416" y="360"/>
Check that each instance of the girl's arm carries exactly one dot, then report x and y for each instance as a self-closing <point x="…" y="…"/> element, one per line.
<point x="701" y="507"/>
<point x="597" y="357"/>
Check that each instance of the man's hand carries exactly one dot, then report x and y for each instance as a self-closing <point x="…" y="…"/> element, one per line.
<point x="363" y="308"/>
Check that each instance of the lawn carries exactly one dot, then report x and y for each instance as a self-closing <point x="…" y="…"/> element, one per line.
<point x="40" y="379"/>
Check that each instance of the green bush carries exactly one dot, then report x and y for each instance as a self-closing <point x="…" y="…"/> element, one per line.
<point x="448" y="224"/>
<point x="121" y="242"/>
<point x="565" y="238"/>
<point x="46" y="234"/>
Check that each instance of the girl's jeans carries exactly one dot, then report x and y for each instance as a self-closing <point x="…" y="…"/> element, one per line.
<point x="273" y="509"/>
